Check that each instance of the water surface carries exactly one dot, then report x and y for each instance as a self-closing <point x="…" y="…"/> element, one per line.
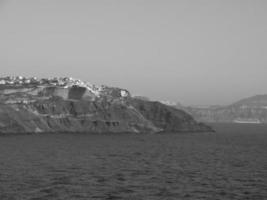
<point x="229" y="164"/>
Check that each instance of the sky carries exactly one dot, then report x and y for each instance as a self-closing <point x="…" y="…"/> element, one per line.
<point x="196" y="52"/>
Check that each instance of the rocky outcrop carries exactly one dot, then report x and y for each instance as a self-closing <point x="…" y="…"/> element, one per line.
<point x="70" y="105"/>
<point x="168" y="118"/>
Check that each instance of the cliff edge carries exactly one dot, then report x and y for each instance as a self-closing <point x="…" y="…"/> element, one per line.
<point x="31" y="105"/>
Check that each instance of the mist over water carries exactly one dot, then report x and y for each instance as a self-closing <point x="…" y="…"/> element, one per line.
<point x="229" y="164"/>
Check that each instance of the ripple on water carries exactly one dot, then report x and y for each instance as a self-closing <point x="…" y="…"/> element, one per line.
<point x="188" y="166"/>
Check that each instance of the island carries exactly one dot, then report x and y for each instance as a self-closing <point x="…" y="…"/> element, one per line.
<point x="68" y="105"/>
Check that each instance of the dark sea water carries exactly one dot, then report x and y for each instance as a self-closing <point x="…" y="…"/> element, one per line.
<point x="230" y="164"/>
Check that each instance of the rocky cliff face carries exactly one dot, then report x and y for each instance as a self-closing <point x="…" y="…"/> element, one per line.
<point x="30" y="105"/>
<point x="249" y="110"/>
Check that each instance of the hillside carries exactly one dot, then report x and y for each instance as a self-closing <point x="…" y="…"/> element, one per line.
<point x="31" y="105"/>
<point x="248" y="110"/>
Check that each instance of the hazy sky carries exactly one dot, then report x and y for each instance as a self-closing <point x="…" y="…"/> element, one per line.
<point x="192" y="51"/>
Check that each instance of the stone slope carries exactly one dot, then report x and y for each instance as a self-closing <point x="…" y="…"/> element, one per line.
<point x="30" y="105"/>
<point x="168" y="118"/>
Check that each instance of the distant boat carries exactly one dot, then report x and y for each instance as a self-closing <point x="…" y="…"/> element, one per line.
<point x="247" y="121"/>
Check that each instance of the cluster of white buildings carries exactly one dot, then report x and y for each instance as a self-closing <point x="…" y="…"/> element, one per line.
<point x="65" y="82"/>
<point x="12" y="80"/>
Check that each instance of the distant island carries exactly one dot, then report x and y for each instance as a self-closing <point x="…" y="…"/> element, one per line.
<point x="33" y="105"/>
<point x="252" y="110"/>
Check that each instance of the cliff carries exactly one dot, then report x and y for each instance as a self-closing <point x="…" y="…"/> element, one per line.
<point x="248" y="110"/>
<point x="31" y="105"/>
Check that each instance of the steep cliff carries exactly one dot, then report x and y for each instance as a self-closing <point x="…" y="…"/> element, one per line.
<point x="70" y="105"/>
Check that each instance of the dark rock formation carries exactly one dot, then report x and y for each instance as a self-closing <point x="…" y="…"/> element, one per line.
<point x="168" y="118"/>
<point x="69" y="105"/>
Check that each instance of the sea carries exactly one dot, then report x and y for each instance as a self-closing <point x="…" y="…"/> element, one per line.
<point x="228" y="164"/>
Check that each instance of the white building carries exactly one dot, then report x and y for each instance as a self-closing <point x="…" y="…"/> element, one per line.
<point x="2" y="82"/>
<point x="124" y="93"/>
<point x="27" y="81"/>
